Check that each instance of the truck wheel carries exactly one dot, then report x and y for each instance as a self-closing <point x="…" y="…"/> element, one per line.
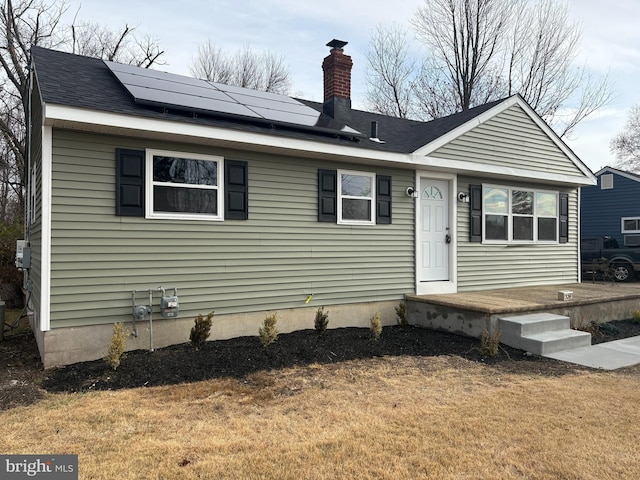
<point x="622" y="272"/>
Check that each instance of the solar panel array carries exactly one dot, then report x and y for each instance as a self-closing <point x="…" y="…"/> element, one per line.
<point x="151" y="87"/>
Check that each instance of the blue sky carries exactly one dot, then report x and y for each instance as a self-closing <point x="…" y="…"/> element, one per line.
<point x="300" y="30"/>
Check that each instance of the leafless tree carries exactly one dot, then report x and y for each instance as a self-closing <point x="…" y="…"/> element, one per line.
<point x="246" y="68"/>
<point x="212" y="64"/>
<point x="463" y="38"/>
<point x="626" y="145"/>
<point x="25" y="23"/>
<point x="483" y="50"/>
<point x="542" y="47"/>
<point x="390" y="72"/>
<point x="94" y="40"/>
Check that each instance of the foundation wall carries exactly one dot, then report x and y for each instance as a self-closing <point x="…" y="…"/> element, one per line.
<point x="64" y="346"/>
<point x="472" y="322"/>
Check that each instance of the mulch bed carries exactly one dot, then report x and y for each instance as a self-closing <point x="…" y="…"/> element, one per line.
<point x="22" y="379"/>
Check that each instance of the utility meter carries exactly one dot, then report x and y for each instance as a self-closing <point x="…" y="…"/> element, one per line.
<point x="169" y="306"/>
<point x="23" y="255"/>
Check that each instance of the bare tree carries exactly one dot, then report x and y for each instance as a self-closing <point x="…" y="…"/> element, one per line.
<point x="464" y="37"/>
<point x="626" y="145"/>
<point x="211" y="64"/>
<point x="543" y="44"/>
<point x="93" y="40"/>
<point x="483" y="50"/>
<point x="390" y="72"/>
<point x="25" y="23"/>
<point x="248" y="69"/>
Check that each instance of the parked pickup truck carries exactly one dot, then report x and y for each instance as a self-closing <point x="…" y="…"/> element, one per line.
<point x="597" y="253"/>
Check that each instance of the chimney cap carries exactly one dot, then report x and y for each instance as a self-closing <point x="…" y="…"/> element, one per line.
<point x="339" y="44"/>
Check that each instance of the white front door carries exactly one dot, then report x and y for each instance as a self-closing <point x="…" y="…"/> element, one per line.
<point x="433" y="227"/>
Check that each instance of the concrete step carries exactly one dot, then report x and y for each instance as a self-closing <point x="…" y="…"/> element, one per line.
<point x="542" y="333"/>
<point x="552" y="342"/>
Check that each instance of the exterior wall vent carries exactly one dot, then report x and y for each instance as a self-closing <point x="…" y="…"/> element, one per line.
<point x="606" y="182"/>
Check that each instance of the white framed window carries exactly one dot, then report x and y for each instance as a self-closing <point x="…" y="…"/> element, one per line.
<point x="184" y="186"/>
<point x="356" y="197"/>
<point x="630" y="225"/>
<point x="519" y="215"/>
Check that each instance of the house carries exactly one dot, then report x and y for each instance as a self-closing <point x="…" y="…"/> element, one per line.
<point x="612" y="207"/>
<point x="168" y="197"/>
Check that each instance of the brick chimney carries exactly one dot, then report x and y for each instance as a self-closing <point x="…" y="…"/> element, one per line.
<point x="337" y="82"/>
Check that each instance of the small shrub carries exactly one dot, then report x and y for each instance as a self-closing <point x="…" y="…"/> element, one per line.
<point x="636" y="316"/>
<point x="401" y="314"/>
<point x="268" y="332"/>
<point x="376" y="327"/>
<point x="321" y="321"/>
<point x="585" y="325"/>
<point x="201" y="330"/>
<point x="116" y="346"/>
<point x="490" y="342"/>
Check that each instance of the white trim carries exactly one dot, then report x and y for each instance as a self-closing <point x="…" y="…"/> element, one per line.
<point x="622" y="230"/>
<point x="371" y="198"/>
<point x="45" y="221"/>
<point x="98" y="121"/>
<point x="149" y="184"/>
<point x="492" y="112"/>
<point x="451" y="285"/>
<point x="510" y="216"/>
<point x="461" y="166"/>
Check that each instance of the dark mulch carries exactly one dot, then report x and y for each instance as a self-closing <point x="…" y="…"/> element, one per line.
<point x="22" y="379"/>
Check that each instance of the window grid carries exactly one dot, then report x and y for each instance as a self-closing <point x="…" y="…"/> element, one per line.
<point x="185" y="188"/>
<point x="519" y="215"/>
<point x="356" y="197"/>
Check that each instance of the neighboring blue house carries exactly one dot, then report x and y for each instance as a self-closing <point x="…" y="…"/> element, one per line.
<point x="612" y="207"/>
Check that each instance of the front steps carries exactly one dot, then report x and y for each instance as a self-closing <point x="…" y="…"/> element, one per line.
<point x="541" y="333"/>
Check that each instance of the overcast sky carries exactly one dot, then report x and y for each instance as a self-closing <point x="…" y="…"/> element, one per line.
<point x="299" y="30"/>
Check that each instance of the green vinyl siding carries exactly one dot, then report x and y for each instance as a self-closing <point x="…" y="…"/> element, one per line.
<point x="272" y="261"/>
<point x="510" y="139"/>
<point x="482" y="266"/>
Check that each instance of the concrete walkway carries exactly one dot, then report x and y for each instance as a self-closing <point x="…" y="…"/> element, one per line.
<point x="607" y="356"/>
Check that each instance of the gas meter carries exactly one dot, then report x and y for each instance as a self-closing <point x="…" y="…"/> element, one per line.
<point x="169" y="306"/>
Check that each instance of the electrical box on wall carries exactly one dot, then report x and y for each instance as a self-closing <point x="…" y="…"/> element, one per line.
<point x="23" y="255"/>
<point x="169" y="306"/>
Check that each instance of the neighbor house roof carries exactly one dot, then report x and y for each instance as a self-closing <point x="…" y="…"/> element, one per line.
<point x="630" y="175"/>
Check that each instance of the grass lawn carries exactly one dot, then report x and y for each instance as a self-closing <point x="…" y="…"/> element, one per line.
<point x="391" y="417"/>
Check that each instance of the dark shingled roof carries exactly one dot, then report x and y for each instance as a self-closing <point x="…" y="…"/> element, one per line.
<point x="85" y="82"/>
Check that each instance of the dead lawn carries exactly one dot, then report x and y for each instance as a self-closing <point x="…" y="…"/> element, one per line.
<point x="391" y="418"/>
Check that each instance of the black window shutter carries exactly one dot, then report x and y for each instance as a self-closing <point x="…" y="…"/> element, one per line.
<point x="130" y="182"/>
<point x="236" y="190"/>
<point x="475" y="213"/>
<point x="383" y="199"/>
<point x="564" y="217"/>
<point x="327" y="195"/>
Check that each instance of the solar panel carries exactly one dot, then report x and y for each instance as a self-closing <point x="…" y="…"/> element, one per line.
<point x="151" y="87"/>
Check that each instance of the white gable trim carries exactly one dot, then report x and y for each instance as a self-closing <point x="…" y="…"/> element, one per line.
<point x="474" y="168"/>
<point x="492" y="112"/>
